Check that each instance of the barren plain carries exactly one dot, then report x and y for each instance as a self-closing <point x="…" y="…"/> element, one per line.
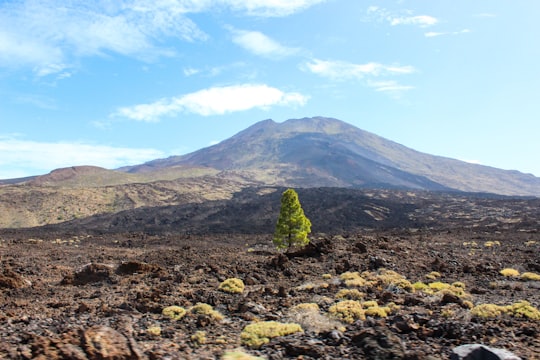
<point x="399" y="275"/>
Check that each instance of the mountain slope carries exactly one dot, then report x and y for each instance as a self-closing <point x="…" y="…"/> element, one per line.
<point x="328" y="152"/>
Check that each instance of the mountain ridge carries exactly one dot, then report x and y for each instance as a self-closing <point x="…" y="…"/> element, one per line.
<point x="300" y="153"/>
<point x="321" y="151"/>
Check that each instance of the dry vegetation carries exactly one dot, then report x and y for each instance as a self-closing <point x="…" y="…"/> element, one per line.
<point x="421" y="293"/>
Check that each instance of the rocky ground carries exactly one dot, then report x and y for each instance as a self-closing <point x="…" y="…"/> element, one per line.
<point x="373" y="294"/>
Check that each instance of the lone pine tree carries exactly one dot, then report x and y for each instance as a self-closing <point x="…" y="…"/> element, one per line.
<point x="292" y="226"/>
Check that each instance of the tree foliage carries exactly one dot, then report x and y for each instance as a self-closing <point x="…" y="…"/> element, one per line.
<point x="292" y="226"/>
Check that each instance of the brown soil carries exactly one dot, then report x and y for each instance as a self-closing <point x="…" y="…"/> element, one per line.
<point x="96" y="297"/>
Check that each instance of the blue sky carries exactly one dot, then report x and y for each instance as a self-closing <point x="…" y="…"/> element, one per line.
<point x="118" y="82"/>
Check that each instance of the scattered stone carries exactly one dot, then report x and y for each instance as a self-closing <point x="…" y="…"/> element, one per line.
<point x="298" y="348"/>
<point x="105" y="343"/>
<point x="279" y="261"/>
<point x="379" y="343"/>
<point x="134" y="267"/>
<point x="360" y="248"/>
<point x="481" y="352"/>
<point x="89" y="273"/>
<point x="449" y="298"/>
<point x="9" y="279"/>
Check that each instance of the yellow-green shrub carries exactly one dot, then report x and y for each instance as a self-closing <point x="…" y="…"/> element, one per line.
<point x="530" y="276"/>
<point x="521" y="308"/>
<point x="380" y="311"/>
<point x="440" y="288"/>
<point x="352" y="279"/>
<point x="205" y="309"/>
<point x="390" y="277"/>
<point x="347" y="311"/>
<point x="232" y="285"/>
<point x="420" y="286"/>
<point x="154" y="331"/>
<point x="174" y="312"/>
<point x="199" y="338"/>
<point x="260" y="333"/>
<point x="239" y="355"/>
<point x="488" y="310"/>
<point x="350" y="294"/>
<point x="433" y="275"/>
<point x="508" y="272"/>
<point x="370" y="303"/>
<point x="524" y="309"/>
<point x="306" y="307"/>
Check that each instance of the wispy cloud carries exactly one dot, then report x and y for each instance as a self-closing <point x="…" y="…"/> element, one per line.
<point x="403" y="18"/>
<point x="260" y="44"/>
<point x="389" y="86"/>
<point x="214" y="101"/>
<point x="420" y="20"/>
<point x="341" y="70"/>
<point x="436" y="34"/>
<point x="211" y="71"/>
<point x="20" y="155"/>
<point x="46" y="35"/>
<point x="367" y="73"/>
<point x="270" y="8"/>
<point x="49" y="35"/>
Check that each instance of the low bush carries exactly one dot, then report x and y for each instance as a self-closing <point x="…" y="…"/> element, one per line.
<point x="232" y="285"/>
<point x="174" y="312"/>
<point x="257" y="334"/>
<point x="347" y="311"/>
<point x="530" y="276"/>
<point x="239" y="355"/>
<point x="508" y="272"/>
<point x="205" y="309"/>
<point x="350" y="294"/>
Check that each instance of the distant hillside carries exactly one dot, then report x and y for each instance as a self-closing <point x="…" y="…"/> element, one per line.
<point x="70" y="194"/>
<point x="328" y="152"/>
<point x="301" y="153"/>
<point x="93" y="176"/>
<point x="331" y="210"/>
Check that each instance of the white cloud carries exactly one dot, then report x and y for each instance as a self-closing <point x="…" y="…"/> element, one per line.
<point x="49" y="35"/>
<point x="436" y="34"/>
<point x="375" y="13"/>
<point x="260" y="44"/>
<point x="389" y="86"/>
<point x="365" y="73"/>
<point x="214" y="101"/>
<point x="46" y="35"/>
<point x="191" y="71"/>
<point x="420" y="20"/>
<point x="23" y="157"/>
<point x="271" y="7"/>
<point x="341" y="70"/>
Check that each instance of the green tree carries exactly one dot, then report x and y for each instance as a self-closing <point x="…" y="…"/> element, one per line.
<point x="292" y="226"/>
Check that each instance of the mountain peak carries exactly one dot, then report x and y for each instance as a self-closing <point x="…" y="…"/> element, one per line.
<point x="323" y="151"/>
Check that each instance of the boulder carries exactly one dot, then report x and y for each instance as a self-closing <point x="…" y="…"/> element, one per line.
<point x="105" y="343"/>
<point x="89" y="273"/>
<point x="481" y="352"/>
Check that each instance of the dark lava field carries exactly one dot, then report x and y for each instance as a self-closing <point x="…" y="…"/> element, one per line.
<point x="388" y="275"/>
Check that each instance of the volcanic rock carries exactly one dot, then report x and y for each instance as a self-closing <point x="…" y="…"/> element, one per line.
<point x="481" y="352"/>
